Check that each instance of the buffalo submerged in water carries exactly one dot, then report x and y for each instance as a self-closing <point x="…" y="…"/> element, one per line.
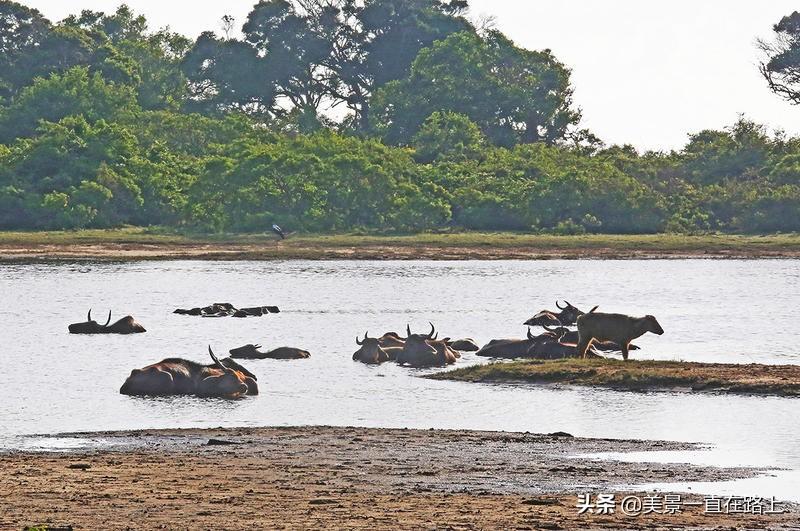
<point x="425" y="350"/>
<point x="251" y="352"/>
<point x="177" y="376"/>
<point x="226" y="309"/>
<point x="126" y="325"/>
<point x="376" y="350"/>
<point x="415" y="350"/>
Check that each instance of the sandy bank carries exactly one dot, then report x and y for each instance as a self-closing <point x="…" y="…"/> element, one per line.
<point x="137" y="244"/>
<point x="318" y="477"/>
<point x="640" y="375"/>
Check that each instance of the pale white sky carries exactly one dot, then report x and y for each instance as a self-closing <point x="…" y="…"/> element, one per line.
<point x="645" y="73"/>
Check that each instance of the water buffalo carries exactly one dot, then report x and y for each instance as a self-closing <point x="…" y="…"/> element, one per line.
<point x="251" y="352"/>
<point x="391" y="339"/>
<point x="508" y="348"/>
<point x="621" y="329"/>
<point x="464" y="345"/>
<point x="176" y="376"/>
<point x="445" y="353"/>
<point x="565" y="335"/>
<point x="126" y="325"/>
<point x="552" y="348"/>
<point x="226" y="309"/>
<point x="424" y="350"/>
<point x="566" y="317"/>
<point x="373" y="351"/>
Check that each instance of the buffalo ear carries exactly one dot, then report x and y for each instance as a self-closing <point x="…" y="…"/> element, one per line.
<point x="252" y="386"/>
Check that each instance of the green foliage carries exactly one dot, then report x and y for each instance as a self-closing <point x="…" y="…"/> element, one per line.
<point x="76" y="92"/>
<point x="320" y="182"/>
<point x="104" y="123"/>
<point x="448" y="136"/>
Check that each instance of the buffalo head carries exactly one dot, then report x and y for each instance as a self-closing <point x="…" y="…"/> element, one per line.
<point x="90" y="326"/>
<point x="568" y="314"/>
<point x="226" y="382"/>
<point x="417" y="350"/>
<point x="652" y="325"/>
<point x="371" y="350"/>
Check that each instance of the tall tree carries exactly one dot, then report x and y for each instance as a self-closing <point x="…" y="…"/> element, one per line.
<point x="22" y="30"/>
<point x="514" y="95"/>
<point x="127" y="52"/>
<point x="227" y="75"/>
<point x="317" y="53"/>
<point x="782" y="66"/>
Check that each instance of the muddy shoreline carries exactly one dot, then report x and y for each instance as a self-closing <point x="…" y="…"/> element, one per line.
<point x="356" y="478"/>
<point x="638" y="375"/>
<point x="11" y="252"/>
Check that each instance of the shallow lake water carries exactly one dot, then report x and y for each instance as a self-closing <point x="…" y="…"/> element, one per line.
<point x="739" y="311"/>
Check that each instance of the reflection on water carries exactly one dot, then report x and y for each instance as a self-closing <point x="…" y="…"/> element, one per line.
<point x="711" y="311"/>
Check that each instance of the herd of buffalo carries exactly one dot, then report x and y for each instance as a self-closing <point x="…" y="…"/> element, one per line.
<point x="226" y="378"/>
<point x="226" y="309"/>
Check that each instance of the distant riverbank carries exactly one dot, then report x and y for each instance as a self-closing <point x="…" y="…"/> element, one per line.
<point x="144" y="244"/>
<point x="638" y="375"/>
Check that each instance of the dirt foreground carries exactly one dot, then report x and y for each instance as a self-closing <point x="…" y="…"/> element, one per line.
<point x="345" y="478"/>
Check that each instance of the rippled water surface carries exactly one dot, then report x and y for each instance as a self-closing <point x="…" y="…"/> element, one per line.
<point x="729" y="311"/>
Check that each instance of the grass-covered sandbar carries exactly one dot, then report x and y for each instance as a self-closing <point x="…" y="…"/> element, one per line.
<point x="639" y="375"/>
<point x="155" y="244"/>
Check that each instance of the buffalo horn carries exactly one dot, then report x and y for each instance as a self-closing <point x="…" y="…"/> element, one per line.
<point x="109" y="318"/>
<point x="89" y="317"/>
<point x="561" y="307"/>
<point x="433" y="330"/>
<point x="216" y="360"/>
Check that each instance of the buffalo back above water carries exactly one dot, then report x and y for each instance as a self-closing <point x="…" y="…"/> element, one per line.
<point x="177" y="376"/>
<point x="251" y="352"/>
<point x="126" y="325"/>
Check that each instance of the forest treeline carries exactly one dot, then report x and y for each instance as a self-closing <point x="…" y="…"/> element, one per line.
<point x="442" y="123"/>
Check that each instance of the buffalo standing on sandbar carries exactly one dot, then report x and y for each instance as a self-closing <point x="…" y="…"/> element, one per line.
<point x="177" y="376"/>
<point x="621" y="329"/>
<point x="126" y="325"/>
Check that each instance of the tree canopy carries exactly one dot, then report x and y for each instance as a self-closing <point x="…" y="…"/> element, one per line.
<point x="782" y="66"/>
<point x="105" y="122"/>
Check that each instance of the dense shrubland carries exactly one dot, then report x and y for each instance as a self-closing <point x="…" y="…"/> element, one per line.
<point x="105" y="123"/>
